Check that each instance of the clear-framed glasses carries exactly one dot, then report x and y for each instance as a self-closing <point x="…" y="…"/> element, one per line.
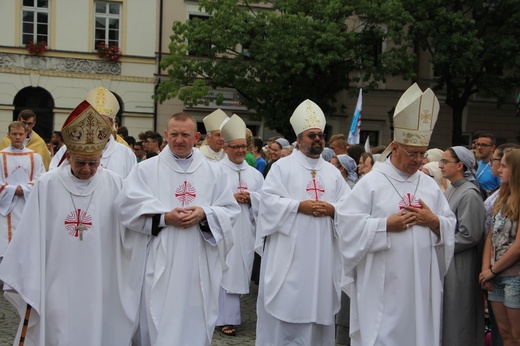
<point x="413" y="155"/>
<point x="445" y="162"/>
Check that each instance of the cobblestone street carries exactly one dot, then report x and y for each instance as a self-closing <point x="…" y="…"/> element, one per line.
<point x="245" y="333"/>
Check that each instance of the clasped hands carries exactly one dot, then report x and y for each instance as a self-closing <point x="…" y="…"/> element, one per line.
<point x="411" y="216"/>
<point x="184" y="217"/>
<point x="316" y="208"/>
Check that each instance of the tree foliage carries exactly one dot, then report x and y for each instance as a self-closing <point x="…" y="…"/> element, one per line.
<point x="284" y="51"/>
<point x="474" y="47"/>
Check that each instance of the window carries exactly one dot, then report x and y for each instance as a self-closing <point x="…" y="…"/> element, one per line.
<point x="35" y="21"/>
<point x="107" y="23"/>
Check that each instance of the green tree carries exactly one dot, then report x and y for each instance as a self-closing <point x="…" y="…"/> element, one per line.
<point x="474" y="47"/>
<point x="277" y="55"/>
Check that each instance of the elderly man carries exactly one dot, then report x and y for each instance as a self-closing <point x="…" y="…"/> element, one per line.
<point x="213" y="145"/>
<point x="19" y="169"/>
<point x="32" y="140"/>
<point x="299" y="291"/>
<point x="183" y="207"/>
<point x="245" y="182"/>
<point x="397" y="237"/>
<point x="66" y="260"/>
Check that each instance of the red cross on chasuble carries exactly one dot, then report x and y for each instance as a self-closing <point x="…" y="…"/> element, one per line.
<point x="185" y="193"/>
<point x="409" y="200"/>
<point x="77" y="222"/>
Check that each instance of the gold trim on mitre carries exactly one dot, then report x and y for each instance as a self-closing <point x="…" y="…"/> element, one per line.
<point x="85" y="132"/>
<point x="233" y="128"/>
<point x="308" y="115"/>
<point x="103" y="101"/>
<point x="213" y="120"/>
<point x="415" y="116"/>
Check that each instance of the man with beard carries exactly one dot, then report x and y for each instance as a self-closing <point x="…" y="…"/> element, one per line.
<point x="299" y="291"/>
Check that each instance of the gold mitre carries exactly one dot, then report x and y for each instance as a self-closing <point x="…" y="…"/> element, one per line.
<point x="103" y="101"/>
<point x="213" y="121"/>
<point x="233" y="128"/>
<point x="85" y="132"/>
<point x="308" y="115"/>
<point x="415" y="116"/>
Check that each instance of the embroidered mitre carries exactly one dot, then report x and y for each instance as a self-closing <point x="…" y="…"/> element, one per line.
<point x="308" y="115"/>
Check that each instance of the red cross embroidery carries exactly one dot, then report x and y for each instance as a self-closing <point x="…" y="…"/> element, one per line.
<point x="185" y="193"/>
<point x="76" y="218"/>
<point x="409" y="201"/>
<point x="315" y="189"/>
<point x="242" y="186"/>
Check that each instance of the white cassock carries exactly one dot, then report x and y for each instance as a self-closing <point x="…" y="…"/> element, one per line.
<point x="299" y="291"/>
<point x="18" y="167"/>
<point x="240" y="258"/>
<point x="67" y="262"/>
<point x="58" y="157"/>
<point x="394" y="279"/>
<point x="182" y="268"/>
<point x="116" y="157"/>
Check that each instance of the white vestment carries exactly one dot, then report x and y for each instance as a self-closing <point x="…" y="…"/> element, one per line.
<point x="299" y="291"/>
<point x="66" y="261"/>
<point x="211" y="155"/>
<point x="18" y="167"/>
<point x="116" y="157"/>
<point x="182" y="268"/>
<point x="394" y="279"/>
<point x="240" y="258"/>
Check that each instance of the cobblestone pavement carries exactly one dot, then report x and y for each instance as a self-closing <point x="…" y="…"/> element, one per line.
<point x="9" y="320"/>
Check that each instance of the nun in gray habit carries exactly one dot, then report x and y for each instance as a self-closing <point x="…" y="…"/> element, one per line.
<point x="463" y="310"/>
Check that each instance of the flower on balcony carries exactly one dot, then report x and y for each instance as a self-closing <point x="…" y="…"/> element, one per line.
<point x="36" y="48"/>
<point x="109" y="52"/>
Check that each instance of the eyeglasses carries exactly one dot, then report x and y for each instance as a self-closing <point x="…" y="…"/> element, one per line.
<point x="237" y="147"/>
<point x="414" y="155"/>
<point x="495" y="159"/>
<point x="91" y="164"/>
<point x="445" y="162"/>
<point x="483" y="145"/>
<point x="28" y="123"/>
<point x="312" y="135"/>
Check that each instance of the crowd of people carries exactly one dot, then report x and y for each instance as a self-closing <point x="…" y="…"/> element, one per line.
<point x="109" y="240"/>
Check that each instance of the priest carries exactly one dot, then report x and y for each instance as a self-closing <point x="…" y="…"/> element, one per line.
<point x="245" y="182"/>
<point x="397" y="237"/>
<point x="213" y="145"/>
<point x="66" y="259"/>
<point x="299" y="291"/>
<point x="183" y="208"/>
<point x="19" y="169"/>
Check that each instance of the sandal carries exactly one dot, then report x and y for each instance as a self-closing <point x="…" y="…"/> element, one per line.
<point x="228" y="330"/>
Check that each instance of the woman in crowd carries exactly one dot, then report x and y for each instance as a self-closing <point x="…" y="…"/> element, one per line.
<point x="501" y="258"/>
<point x="348" y="168"/>
<point x="463" y="312"/>
<point x="366" y="161"/>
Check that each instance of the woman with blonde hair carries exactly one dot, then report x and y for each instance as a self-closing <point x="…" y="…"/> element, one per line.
<point x="500" y="274"/>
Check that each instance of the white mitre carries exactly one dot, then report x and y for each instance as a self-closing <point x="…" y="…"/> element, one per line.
<point x="103" y="101"/>
<point x="233" y="128"/>
<point x="415" y="116"/>
<point x="308" y="115"/>
<point x="213" y="121"/>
